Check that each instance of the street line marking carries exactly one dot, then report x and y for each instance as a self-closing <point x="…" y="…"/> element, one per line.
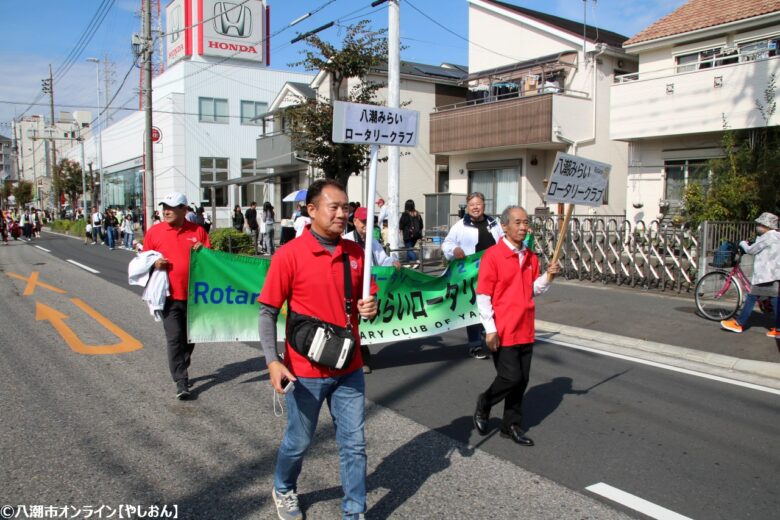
<point x="634" y="502"/>
<point x="33" y="281"/>
<point x="656" y="364"/>
<point x="43" y="249"/>
<point x="93" y="271"/>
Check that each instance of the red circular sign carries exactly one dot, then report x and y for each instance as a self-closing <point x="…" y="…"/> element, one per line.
<point x="156" y="135"/>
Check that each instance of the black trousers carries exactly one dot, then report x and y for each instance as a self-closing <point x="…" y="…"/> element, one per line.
<point x="175" y="325"/>
<point x="513" y="366"/>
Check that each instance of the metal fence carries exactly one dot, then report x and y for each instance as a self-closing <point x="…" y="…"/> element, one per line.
<point x="613" y="250"/>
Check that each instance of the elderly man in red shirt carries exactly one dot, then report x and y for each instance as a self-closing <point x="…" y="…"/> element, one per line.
<point x="175" y="238"/>
<point x="308" y="274"/>
<point x="508" y="281"/>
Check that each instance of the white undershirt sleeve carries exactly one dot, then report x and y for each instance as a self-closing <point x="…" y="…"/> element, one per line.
<point x="485" y="305"/>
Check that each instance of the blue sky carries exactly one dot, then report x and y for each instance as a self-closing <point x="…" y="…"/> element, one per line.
<point x="59" y="24"/>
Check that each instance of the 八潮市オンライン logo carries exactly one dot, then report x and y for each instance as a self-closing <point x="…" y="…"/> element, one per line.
<point x="232" y="19"/>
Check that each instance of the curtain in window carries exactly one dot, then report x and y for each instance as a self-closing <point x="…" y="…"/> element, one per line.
<point x="507" y="189"/>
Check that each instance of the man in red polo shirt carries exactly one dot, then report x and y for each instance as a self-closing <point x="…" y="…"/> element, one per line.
<point x="308" y="274"/>
<point x="175" y="238"/>
<point x="508" y="281"/>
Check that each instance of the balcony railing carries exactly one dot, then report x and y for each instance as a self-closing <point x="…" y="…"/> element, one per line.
<point x="499" y="121"/>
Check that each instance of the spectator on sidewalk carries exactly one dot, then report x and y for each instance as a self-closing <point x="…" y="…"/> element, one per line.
<point x="251" y="222"/>
<point x="301" y="222"/>
<point x="191" y="216"/>
<point x="175" y="238"/>
<point x="238" y="219"/>
<point x="509" y="279"/>
<point x="411" y="225"/>
<point x="269" y="219"/>
<point x="110" y="223"/>
<point x="766" y="274"/>
<point x="96" y="220"/>
<point x="27" y="227"/>
<point x="4" y="227"/>
<point x="473" y="233"/>
<point x="128" y="227"/>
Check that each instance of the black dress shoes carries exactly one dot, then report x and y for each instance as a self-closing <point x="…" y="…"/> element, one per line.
<point x="481" y="419"/>
<point x="516" y="434"/>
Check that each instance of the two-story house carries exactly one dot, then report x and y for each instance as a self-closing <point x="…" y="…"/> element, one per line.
<point x="422" y="87"/>
<point x="538" y="84"/>
<point x="701" y="67"/>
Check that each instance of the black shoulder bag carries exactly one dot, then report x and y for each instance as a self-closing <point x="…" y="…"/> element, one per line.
<point x="322" y="342"/>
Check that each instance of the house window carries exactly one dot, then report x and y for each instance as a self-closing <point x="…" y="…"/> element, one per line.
<point x="501" y="187"/>
<point x="213" y="169"/>
<point x="720" y="56"/>
<point x="679" y="174"/>
<point x="213" y="110"/>
<point x="250" y="110"/>
<point x="251" y="192"/>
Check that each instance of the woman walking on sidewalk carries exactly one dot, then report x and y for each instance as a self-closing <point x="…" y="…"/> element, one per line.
<point x="766" y="273"/>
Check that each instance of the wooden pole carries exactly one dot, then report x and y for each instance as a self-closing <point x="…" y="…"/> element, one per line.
<point x="561" y="238"/>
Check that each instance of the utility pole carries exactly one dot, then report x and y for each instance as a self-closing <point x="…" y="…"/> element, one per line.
<point x="393" y="101"/>
<point x="99" y="131"/>
<point x="148" y="49"/>
<point x="48" y="88"/>
<point x="83" y="180"/>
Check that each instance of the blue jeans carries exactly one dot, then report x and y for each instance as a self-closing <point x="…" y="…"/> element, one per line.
<point x="95" y="233"/>
<point x="345" y="396"/>
<point x="411" y="256"/>
<point x="747" y="309"/>
<point x="129" y="239"/>
<point x="110" y="236"/>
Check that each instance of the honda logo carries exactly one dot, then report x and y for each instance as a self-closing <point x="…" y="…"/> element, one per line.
<point x="232" y="19"/>
<point x="174" y="24"/>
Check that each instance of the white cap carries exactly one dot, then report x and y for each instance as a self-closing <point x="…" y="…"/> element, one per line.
<point x="174" y="199"/>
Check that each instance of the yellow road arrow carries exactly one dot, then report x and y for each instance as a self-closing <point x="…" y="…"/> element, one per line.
<point x="126" y="343"/>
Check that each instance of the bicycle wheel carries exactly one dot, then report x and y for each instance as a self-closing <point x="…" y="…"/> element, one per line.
<point x="718" y="296"/>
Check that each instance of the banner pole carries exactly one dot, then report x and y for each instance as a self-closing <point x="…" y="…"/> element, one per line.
<point x="370" y="221"/>
<point x="561" y="238"/>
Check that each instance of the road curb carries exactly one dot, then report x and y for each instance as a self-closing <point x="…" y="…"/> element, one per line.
<point x="750" y="371"/>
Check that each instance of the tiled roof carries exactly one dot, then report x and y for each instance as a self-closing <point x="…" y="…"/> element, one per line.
<point x="593" y="34"/>
<point x="304" y="89"/>
<point x="700" y="14"/>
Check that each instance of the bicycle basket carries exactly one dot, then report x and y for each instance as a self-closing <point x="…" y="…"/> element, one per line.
<point x="723" y="259"/>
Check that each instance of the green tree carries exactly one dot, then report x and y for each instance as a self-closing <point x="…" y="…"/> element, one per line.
<point x="311" y="123"/>
<point x="67" y="179"/>
<point x="23" y="192"/>
<point x="744" y="182"/>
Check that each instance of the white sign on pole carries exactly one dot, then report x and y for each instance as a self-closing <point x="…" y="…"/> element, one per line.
<point x="355" y="123"/>
<point x="575" y="180"/>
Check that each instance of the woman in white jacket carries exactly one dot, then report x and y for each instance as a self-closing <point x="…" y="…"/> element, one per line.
<point x="766" y="273"/>
<point x="475" y="232"/>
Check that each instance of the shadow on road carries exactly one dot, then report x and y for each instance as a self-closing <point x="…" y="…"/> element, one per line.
<point x="403" y="472"/>
<point x="229" y="372"/>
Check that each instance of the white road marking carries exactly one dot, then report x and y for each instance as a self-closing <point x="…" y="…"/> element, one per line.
<point x="634" y="502"/>
<point x="93" y="271"/>
<point x="43" y="249"/>
<point x="703" y="375"/>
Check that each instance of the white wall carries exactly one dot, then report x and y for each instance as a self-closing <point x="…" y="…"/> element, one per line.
<point x="492" y="28"/>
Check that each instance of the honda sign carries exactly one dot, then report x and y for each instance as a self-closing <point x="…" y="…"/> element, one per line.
<point x="232" y="29"/>
<point x="178" y="31"/>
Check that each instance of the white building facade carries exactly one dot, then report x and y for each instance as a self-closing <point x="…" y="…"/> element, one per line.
<point x="537" y="86"/>
<point x="204" y="111"/>
<point x="703" y="66"/>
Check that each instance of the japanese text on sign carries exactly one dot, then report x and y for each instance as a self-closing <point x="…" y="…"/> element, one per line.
<point x="371" y="124"/>
<point x="576" y="180"/>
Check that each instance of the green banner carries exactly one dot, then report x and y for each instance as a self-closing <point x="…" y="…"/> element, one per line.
<point x="223" y="292"/>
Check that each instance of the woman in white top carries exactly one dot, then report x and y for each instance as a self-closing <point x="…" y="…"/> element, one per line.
<point x="301" y="222"/>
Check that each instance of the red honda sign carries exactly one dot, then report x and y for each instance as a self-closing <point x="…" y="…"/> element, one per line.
<point x="156" y="135"/>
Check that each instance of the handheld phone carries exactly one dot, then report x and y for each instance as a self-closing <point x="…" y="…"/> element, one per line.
<point x="287" y="385"/>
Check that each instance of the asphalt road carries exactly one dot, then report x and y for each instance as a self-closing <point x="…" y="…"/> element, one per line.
<point x="106" y="429"/>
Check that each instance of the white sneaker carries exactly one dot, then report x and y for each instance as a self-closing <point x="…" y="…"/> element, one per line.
<point x="287" y="505"/>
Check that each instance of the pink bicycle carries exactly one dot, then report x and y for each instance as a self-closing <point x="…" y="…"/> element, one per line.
<point x="719" y="294"/>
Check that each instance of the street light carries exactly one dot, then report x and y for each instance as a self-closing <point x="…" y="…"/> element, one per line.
<point x="99" y="129"/>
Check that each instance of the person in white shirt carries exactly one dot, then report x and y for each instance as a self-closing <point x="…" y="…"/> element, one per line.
<point x="378" y="257"/>
<point x="382" y="211"/>
<point x="378" y="254"/>
<point x="475" y="232"/>
<point x="301" y="222"/>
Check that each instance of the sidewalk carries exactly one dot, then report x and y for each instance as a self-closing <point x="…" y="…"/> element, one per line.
<point x="659" y="327"/>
